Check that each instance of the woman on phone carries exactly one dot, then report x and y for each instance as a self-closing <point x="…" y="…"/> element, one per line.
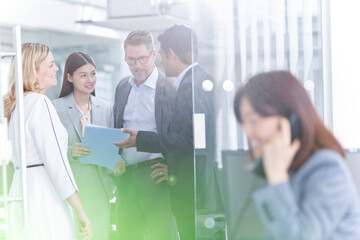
<point x="51" y="187"/>
<point x="310" y="193"/>
<point x="77" y="107"/>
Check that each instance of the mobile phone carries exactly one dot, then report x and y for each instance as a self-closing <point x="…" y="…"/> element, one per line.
<point x="295" y="129"/>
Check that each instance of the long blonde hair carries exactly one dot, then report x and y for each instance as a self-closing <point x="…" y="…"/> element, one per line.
<point x="32" y="55"/>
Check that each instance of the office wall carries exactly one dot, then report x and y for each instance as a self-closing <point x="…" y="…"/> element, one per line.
<point x="58" y="15"/>
<point x="345" y="51"/>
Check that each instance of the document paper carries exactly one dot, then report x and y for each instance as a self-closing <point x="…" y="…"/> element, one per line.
<point x="101" y="142"/>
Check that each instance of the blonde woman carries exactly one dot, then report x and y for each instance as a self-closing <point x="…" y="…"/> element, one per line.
<point x="51" y="185"/>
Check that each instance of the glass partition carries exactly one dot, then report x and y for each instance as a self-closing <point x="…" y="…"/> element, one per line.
<point x="232" y="40"/>
<point x="237" y="39"/>
<point x="106" y="52"/>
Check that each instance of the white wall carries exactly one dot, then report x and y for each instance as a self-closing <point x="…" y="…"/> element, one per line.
<point x="54" y="15"/>
<point x="345" y="49"/>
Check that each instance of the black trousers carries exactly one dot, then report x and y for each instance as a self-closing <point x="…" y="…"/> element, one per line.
<point x="143" y="207"/>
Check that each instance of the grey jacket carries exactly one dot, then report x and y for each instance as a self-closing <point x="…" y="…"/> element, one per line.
<point x="164" y="101"/>
<point x="101" y="114"/>
<point x="319" y="202"/>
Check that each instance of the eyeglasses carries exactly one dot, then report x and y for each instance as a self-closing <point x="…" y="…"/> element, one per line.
<point x="142" y="60"/>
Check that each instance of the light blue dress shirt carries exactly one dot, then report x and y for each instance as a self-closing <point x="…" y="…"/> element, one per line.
<point x="139" y="114"/>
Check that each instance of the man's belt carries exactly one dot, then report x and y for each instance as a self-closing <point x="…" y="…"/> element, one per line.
<point x="35" y="165"/>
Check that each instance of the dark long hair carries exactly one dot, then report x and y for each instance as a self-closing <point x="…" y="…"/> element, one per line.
<point x="280" y="93"/>
<point x="74" y="62"/>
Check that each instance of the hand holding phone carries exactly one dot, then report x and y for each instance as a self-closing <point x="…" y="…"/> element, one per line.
<point x="295" y="132"/>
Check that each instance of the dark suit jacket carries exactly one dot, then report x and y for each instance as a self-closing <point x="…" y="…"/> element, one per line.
<point x="164" y="102"/>
<point x="178" y="144"/>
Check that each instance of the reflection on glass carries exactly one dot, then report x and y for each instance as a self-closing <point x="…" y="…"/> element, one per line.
<point x="238" y="39"/>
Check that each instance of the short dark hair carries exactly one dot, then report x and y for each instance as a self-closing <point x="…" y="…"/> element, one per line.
<point x="181" y="39"/>
<point x="73" y="63"/>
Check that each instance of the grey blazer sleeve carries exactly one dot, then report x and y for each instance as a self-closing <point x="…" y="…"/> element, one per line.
<point x="325" y="197"/>
<point x="111" y="118"/>
<point x="115" y="106"/>
<point x="70" y="157"/>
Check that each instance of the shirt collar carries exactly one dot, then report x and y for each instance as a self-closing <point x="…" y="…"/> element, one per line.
<point x="150" y="81"/>
<point x="182" y="74"/>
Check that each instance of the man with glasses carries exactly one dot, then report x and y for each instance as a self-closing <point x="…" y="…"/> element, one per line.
<point x="143" y="101"/>
<point x="179" y="51"/>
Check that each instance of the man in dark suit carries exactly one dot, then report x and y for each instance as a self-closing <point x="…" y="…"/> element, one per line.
<point x="143" y="101"/>
<point x="178" y="56"/>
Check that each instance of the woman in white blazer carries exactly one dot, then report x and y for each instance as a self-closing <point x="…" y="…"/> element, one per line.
<point x="51" y="185"/>
<point x="77" y="107"/>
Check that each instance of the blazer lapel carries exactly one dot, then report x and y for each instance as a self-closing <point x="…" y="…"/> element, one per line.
<point x="159" y="95"/>
<point x="187" y="77"/>
<point x="95" y="111"/>
<point x="73" y="113"/>
<point x="123" y="100"/>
